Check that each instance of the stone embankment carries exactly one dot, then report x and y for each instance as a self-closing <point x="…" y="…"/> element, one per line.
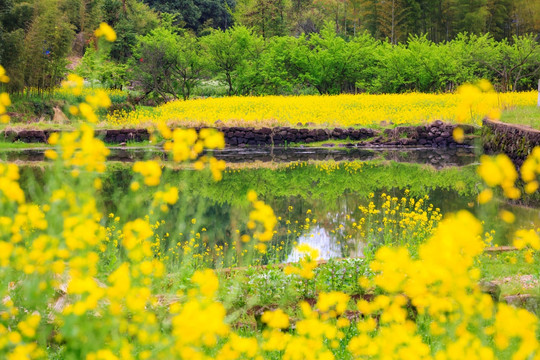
<point x="109" y="136"/>
<point x="514" y="140"/>
<point x="436" y="134"/>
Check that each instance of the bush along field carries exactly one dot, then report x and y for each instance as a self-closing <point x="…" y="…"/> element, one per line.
<point x="77" y="282"/>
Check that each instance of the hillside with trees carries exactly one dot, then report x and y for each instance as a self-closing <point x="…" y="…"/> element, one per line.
<point x="166" y="49"/>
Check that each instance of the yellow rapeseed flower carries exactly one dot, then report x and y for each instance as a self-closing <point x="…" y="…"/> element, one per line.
<point x="106" y="31"/>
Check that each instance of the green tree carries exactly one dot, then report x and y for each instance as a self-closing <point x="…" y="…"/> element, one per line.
<point x="499" y="20"/>
<point x="525" y="17"/>
<point x="232" y="54"/>
<point x="471" y="16"/>
<point x="515" y="64"/>
<point x="168" y="63"/>
<point x="129" y="18"/>
<point x="329" y="63"/>
<point x="46" y="47"/>
<point x="97" y="67"/>
<point x="190" y="63"/>
<point x="391" y="16"/>
<point x="266" y="17"/>
<point x="197" y="15"/>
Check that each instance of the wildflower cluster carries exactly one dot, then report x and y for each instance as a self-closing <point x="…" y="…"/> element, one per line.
<point x="93" y="102"/>
<point x="9" y="186"/>
<point x="499" y="171"/>
<point x="393" y="220"/>
<point x="441" y="285"/>
<point x="186" y="144"/>
<point x="530" y="170"/>
<point x="476" y="102"/>
<point x="79" y="150"/>
<point x="307" y="263"/>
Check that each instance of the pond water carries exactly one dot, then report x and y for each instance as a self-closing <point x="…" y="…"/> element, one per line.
<point x="321" y="197"/>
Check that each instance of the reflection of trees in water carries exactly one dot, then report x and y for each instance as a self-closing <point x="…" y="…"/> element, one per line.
<point x="332" y="198"/>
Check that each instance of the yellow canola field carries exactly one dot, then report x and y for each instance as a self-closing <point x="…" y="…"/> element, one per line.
<point x="335" y="110"/>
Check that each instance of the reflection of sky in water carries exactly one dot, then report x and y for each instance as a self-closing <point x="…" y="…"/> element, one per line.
<point x="329" y="245"/>
<point x="320" y="239"/>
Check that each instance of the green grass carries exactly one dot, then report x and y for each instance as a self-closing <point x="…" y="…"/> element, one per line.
<point x="523" y="115"/>
<point x="507" y="267"/>
<point x="19" y="145"/>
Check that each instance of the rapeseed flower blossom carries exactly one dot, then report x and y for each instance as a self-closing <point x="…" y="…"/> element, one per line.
<point x="106" y="31"/>
<point x="276" y="319"/>
<point x="307" y="264"/>
<point x="327" y="110"/>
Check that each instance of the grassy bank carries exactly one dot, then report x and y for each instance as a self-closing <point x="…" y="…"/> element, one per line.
<point x="523" y="115"/>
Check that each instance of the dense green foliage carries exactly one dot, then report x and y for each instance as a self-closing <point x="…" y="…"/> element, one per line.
<point x="441" y="20"/>
<point x="326" y="63"/>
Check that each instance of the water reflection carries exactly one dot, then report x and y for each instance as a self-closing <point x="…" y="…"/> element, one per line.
<point x="320" y="239"/>
<point x="435" y="157"/>
<point x="318" y="203"/>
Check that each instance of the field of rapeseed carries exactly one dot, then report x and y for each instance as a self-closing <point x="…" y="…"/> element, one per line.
<point x="79" y="283"/>
<point x="341" y="110"/>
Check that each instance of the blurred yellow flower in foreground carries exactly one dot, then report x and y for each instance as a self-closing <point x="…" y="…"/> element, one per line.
<point x="106" y="31"/>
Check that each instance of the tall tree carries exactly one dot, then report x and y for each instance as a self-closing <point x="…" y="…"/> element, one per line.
<point x="266" y="17"/>
<point x="499" y="20"/>
<point x="515" y="63"/>
<point x="231" y="52"/>
<point x="168" y="64"/>
<point x="391" y="16"/>
<point x="471" y="16"/>
<point x="526" y="17"/>
<point x="46" y="46"/>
